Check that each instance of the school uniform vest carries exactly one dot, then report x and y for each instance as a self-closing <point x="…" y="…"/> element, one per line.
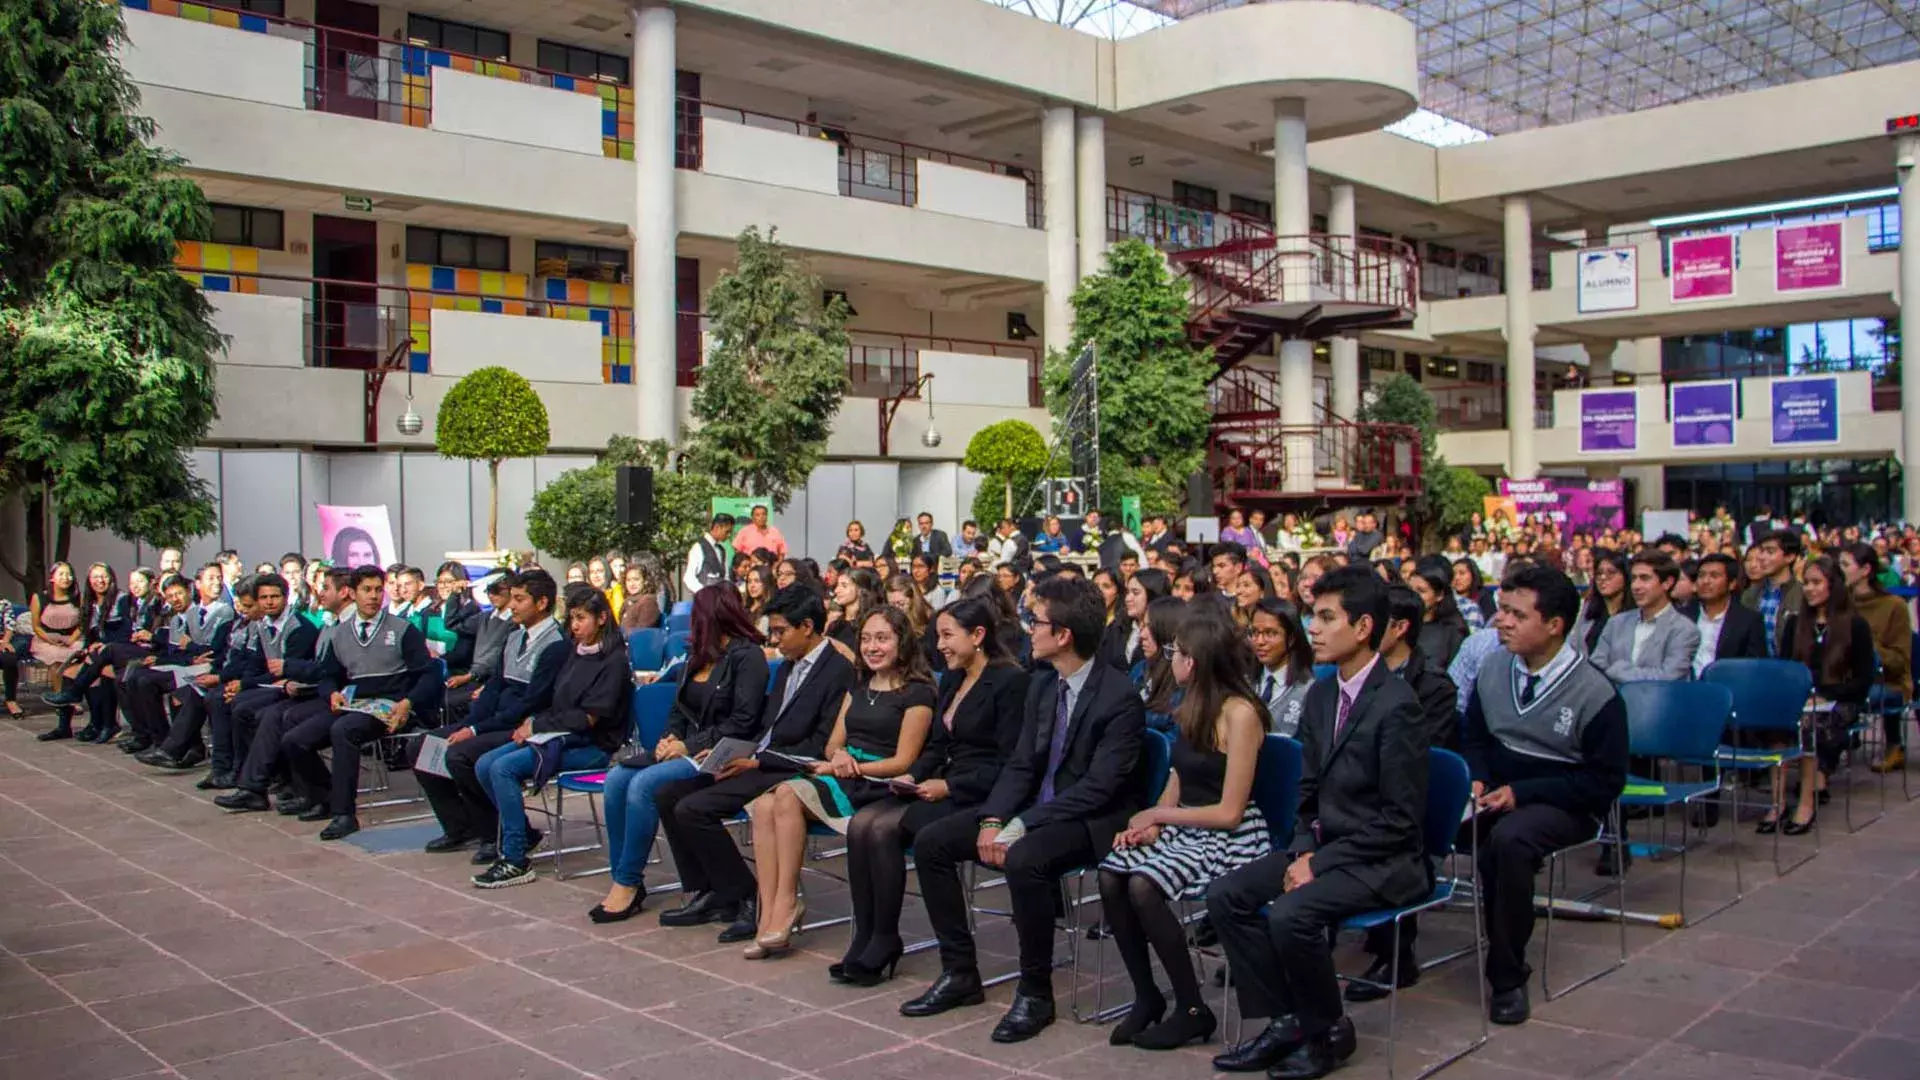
<point x="523" y="650"/>
<point x="272" y="646"/>
<point x="1552" y="726"/>
<point x="203" y="622"/>
<point x="381" y="655"/>
<point x="713" y="564"/>
<point x="245" y="637"/>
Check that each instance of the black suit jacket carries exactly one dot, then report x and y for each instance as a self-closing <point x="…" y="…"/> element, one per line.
<point x="804" y="726"/>
<point x="1363" y="796"/>
<point x="736" y="705"/>
<point x="935" y="544"/>
<point x="1100" y="780"/>
<point x="1744" y="634"/>
<point x="1440" y="718"/>
<point x="986" y="730"/>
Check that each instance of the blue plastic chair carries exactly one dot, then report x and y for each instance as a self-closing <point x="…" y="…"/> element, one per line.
<point x="680" y="622"/>
<point x="647" y="649"/>
<point x="681" y="607"/>
<point x="1276" y="787"/>
<point x="1156" y="749"/>
<point x="1325" y="671"/>
<point x="773" y="671"/>
<point x="1769" y="696"/>
<point x="648" y="710"/>
<point x="676" y="645"/>
<point x="1682" y="722"/>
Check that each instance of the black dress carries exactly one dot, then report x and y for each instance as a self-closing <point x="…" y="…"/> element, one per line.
<point x="873" y="734"/>
<point x="1186" y="858"/>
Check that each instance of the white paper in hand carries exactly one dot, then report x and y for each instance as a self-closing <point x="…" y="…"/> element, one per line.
<point x="433" y="757"/>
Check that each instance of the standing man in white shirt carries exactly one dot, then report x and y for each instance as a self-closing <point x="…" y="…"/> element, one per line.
<point x="707" y="559"/>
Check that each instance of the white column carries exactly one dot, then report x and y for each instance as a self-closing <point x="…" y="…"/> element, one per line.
<point x="1522" y="464"/>
<point x="1344" y="351"/>
<point x="1090" y="163"/>
<point x="1907" y="153"/>
<point x="1293" y="218"/>
<point x="1056" y="177"/>
<point x="656" y="229"/>
<point x="1600" y="362"/>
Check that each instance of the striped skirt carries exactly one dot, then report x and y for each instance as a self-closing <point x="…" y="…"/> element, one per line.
<point x="1186" y="858"/>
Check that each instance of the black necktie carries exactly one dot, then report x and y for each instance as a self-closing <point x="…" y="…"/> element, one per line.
<point x="1527" y="692"/>
<point x="525" y="639"/>
<point x="365" y="632"/>
<point x="269" y="631"/>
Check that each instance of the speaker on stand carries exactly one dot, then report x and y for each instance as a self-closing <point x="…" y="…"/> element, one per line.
<point x="633" y="495"/>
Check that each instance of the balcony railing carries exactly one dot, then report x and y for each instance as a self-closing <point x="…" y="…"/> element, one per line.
<point x="1171" y="226"/>
<point x="1483" y="407"/>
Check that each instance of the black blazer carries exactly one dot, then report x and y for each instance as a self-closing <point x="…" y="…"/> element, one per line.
<point x="1113" y="644"/>
<point x="1363" y="797"/>
<point x="986" y="728"/>
<point x="805" y="725"/>
<point x="1437" y="696"/>
<point x="1100" y="780"/>
<point x="935" y="544"/>
<point x="462" y="616"/>
<point x="1744" y="634"/>
<point x="736" y="700"/>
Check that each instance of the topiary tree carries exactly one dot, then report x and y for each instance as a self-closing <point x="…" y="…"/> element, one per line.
<point x="573" y="517"/>
<point x="1454" y="494"/>
<point x="1449" y="495"/>
<point x="491" y="415"/>
<point x="1011" y="452"/>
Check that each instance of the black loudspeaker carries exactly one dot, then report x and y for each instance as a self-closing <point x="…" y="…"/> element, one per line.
<point x="633" y="494"/>
<point x="1200" y="495"/>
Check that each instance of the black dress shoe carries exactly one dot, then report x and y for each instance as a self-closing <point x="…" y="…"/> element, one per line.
<point x="1509" y="1007"/>
<point x="64" y="731"/>
<point x="745" y="925"/>
<point x="1376" y="978"/>
<point x="216" y="781"/>
<point x="61" y="698"/>
<point x="240" y="799"/>
<point x="135" y="745"/>
<point x="89" y="734"/>
<point x="952" y="990"/>
<point x="295" y="806"/>
<point x="340" y="828"/>
<point x="1315" y="1058"/>
<point x="1193" y="1024"/>
<point x="447" y="842"/>
<point x="1790" y="827"/>
<point x="1029" y="1016"/>
<point x="1279" y="1038"/>
<point x="1144" y="1013"/>
<point x="701" y="908"/>
<point x="192" y="759"/>
<point x="153" y="756"/>
<point x="319" y="811"/>
<point x="486" y="854"/>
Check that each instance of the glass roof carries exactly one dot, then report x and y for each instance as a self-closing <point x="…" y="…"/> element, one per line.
<point x="1507" y="65"/>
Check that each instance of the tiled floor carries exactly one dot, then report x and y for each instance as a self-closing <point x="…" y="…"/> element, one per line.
<point x="144" y="933"/>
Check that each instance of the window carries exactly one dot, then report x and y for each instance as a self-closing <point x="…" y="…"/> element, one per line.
<point x="554" y="259"/>
<point x="1479" y="371"/>
<point x="457" y="37"/>
<point x="1476" y="264"/>
<point x="1195" y="196"/>
<point x="1378" y="359"/>
<point x="1259" y="209"/>
<point x="247" y="226"/>
<point x="585" y="63"/>
<point x="461" y="250"/>
<point x="1444" y="367"/>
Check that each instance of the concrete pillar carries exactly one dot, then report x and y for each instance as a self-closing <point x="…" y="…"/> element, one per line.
<point x="1056" y="177"/>
<point x="1600" y="362"/>
<point x="1522" y="463"/>
<point x="1293" y="219"/>
<point x="1344" y="352"/>
<point x="1907" y="153"/>
<point x="1090" y="164"/>
<point x="656" y="229"/>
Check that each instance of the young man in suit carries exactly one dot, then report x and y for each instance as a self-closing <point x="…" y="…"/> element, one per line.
<point x="1546" y="738"/>
<point x="198" y="636"/>
<point x="1728" y="630"/>
<point x="929" y="540"/>
<point x="797" y="721"/>
<point x="1358" y="847"/>
<point x="1071" y="784"/>
<point x="1653" y="642"/>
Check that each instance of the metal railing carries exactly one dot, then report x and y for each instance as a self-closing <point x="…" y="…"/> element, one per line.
<point x="1483" y="407"/>
<point x="1172" y="226"/>
<point x="1253" y="461"/>
<point x="1316" y="268"/>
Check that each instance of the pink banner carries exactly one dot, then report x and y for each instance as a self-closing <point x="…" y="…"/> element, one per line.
<point x="1701" y="267"/>
<point x="356" y="536"/>
<point x="1808" y="257"/>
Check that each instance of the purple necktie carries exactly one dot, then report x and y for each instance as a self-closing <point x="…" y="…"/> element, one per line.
<point x="1057" y="746"/>
<point x="1340" y="718"/>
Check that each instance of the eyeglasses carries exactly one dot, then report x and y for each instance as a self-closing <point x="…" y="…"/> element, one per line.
<point x="1263" y="634"/>
<point x="1038" y="623"/>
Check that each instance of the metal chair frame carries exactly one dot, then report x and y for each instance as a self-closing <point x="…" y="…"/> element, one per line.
<point x="1609" y="834"/>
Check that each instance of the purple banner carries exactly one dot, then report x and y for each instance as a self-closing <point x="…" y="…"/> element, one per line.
<point x="1806" y="412"/>
<point x="1808" y="257"/>
<point x="1703" y="414"/>
<point x="1701" y="267"/>
<point x="1577" y="505"/>
<point x="1609" y="421"/>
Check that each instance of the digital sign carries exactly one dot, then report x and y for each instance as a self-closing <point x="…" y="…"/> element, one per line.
<point x="1900" y="125"/>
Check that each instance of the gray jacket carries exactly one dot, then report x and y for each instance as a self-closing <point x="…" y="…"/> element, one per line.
<point x="1666" y="656"/>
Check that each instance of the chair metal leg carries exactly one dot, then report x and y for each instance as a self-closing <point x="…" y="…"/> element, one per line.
<point x="1556" y="861"/>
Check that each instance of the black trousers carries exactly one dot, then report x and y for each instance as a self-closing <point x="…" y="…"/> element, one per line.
<point x="1278" y="943"/>
<point x="9" y="674"/>
<point x="461" y="803"/>
<point x="313" y="726"/>
<point x="1513" y="846"/>
<point x="1034" y="867"/>
<point x="192" y="706"/>
<point x="459" y="702"/>
<point x="261" y="727"/>
<point x="694" y="813"/>
<point x="121" y="655"/>
<point x="143" y="696"/>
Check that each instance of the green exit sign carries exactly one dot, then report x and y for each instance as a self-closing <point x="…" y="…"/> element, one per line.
<point x="362" y="203"/>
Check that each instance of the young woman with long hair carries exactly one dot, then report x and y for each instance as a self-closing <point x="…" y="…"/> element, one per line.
<point x="1142" y="589"/>
<point x="1442" y="627"/>
<point x="1836" y="644"/>
<point x="1205" y="824"/>
<point x="59" y="623"/>
<point x="1607" y="598"/>
<point x="1161" y="692"/>
<point x="1470" y="593"/>
<point x="757" y="594"/>
<point x="855" y="592"/>
<point x="1252" y="586"/>
<point x="881" y="730"/>
<point x="106" y="617"/>
<point x="1892" y="627"/>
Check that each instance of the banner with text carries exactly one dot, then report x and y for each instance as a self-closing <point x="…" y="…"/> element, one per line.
<point x="1609" y="279"/>
<point x="1806" y="411"/>
<point x="1808" y="257"/>
<point x="357" y="536"/>
<point x="1703" y="414"/>
<point x="1576" y="505"/>
<point x="1702" y="267"/>
<point x="1609" y="421"/>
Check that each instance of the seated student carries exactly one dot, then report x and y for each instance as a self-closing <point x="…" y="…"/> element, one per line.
<point x="1440" y="726"/>
<point x="722" y="694"/>
<point x="879" y="733"/>
<point x="1728" y="629"/>
<point x="200" y="637"/>
<point x="580" y="728"/>
<point x="1836" y="644"/>
<point x="231" y="571"/>
<point x="97" y="680"/>
<point x="529" y="661"/>
<point x="1285" y="658"/>
<point x="1546" y="738"/>
<point x="460" y="616"/>
<point x="490" y="632"/>
<point x="106" y="617"/>
<point x="182" y="747"/>
<point x="799" y="716"/>
<point x="374" y="655"/>
<point x="1651" y="641"/>
<point x="293" y="569"/>
<point x="1069" y="788"/>
<point x="258" y="717"/>
<point x="1160" y="692"/>
<point x="1358" y="846"/>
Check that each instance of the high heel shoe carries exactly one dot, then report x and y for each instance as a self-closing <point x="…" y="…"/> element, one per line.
<point x="857" y="974"/>
<point x="773" y="944"/>
<point x="1770" y="824"/>
<point x="600" y="913"/>
<point x="1791" y="827"/>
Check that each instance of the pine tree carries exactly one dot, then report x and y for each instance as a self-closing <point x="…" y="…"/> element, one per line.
<point x="106" y="372"/>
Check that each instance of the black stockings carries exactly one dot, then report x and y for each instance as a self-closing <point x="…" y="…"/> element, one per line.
<point x="877" y="880"/>
<point x="1141" y="918"/>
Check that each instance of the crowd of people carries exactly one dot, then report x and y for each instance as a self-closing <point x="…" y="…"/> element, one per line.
<point x="987" y="700"/>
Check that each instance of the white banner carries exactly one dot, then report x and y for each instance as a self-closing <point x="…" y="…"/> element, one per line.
<point x="1609" y="279"/>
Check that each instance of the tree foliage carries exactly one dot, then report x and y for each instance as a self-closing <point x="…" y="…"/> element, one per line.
<point x="1454" y="494"/>
<point x="774" y="374"/>
<point x="1450" y="495"/>
<point x="106" y="354"/>
<point x="574" y="516"/>
<point x="1152" y="381"/>
<point x="1010" y="454"/>
<point x="490" y="415"/>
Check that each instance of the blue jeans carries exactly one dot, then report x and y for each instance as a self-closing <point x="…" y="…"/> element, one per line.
<point x="632" y="818"/>
<point x="502" y="772"/>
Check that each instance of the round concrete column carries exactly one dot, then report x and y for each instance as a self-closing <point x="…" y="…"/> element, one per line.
<point x="1056" y="177"/>
<point x="656" y="228"/>
<point x="1522" y="462"/>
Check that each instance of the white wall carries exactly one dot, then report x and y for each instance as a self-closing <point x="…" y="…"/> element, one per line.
<point x="748" y="152"/>
<point x="549" y="350"/>
<point x="163" y="50"/>
<point x="262" y="501"/>
<point x="934" y="488"/>
<point x="950" y="189"/>
<point x="262" y="331"/>
<point x="468" y="104"/>
<point x="309" y="406"/>
<point x="972" y="379"/>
